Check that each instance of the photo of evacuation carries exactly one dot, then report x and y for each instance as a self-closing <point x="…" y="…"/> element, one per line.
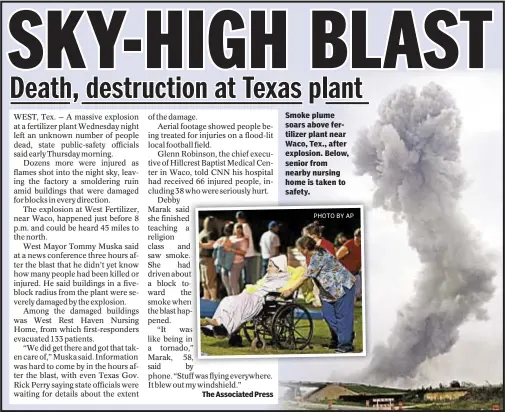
<point x="281" y="281"/>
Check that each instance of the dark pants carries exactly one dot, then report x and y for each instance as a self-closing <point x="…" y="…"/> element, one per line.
<point x="264" y="266"/>
<point x="340" y="316"/>
<point x="248" y="277"/>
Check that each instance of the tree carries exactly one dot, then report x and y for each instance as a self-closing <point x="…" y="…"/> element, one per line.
<point x="455" y="384"/>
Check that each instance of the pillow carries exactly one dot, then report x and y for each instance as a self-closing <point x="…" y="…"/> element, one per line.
<point x="256" y="286"/>
<point x="295" y="273"/>
<point x="306" y="288"/>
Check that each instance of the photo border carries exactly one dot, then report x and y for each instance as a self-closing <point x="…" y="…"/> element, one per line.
<point x="290" y="355"/>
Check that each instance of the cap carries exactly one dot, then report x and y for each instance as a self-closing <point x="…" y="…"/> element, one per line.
<point x="272" y="224"/>
<point x="240" y="215"/>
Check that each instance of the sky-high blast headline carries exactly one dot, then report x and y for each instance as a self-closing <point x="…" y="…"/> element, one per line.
<point x="231" y="40"/>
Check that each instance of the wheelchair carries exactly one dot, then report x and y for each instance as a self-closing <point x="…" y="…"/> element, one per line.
<point x="282" y="323"/>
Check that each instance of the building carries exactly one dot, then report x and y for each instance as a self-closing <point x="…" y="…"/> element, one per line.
<point x="330" y="392"/>
<point x="360" y="394"/>
<point x="370" y="399"/>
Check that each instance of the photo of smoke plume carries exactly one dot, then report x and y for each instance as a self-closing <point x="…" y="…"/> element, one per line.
<point x="412" y="154"/>
<point x="431" y="353"/>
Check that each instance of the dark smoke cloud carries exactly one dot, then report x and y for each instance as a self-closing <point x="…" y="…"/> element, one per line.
<point x="413" y="156"/>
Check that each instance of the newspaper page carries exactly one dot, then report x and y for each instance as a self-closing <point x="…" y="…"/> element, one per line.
<point x="252" y="205"/>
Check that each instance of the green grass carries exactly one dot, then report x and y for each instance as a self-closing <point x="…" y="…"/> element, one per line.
<point x="339" y="402"/>
<point x="219" y="347"/>
<point x="459" y="405"/>
<point x="455" y="406"/>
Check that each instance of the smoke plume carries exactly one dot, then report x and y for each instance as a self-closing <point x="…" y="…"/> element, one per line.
<point x="413" y="156"/>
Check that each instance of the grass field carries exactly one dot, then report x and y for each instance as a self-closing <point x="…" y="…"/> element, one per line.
<point x="459" y="405"/>
<point x="219" y="347"/>
<point x="455" y="406"/>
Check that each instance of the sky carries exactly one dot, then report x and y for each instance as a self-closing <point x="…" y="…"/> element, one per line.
<point x="392" y="266"/>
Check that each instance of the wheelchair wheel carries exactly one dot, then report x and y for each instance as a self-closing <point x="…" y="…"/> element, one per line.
<point x="258" y="343"/>
<point x="292" y="327"/>
<point x="248" y="333"/>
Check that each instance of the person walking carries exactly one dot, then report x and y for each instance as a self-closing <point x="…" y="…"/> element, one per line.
<point x="208" y="277"/>
<point x="315" y="231"/>
<point x="239" y="248"/>
<point x="270" y="245"/>
<point x="248" y="271"/>
<point x="223" y="260"/>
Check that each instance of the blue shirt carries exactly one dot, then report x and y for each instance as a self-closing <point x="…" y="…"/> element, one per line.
<point x="222" y="258"/>
<point x="330" y="275"/>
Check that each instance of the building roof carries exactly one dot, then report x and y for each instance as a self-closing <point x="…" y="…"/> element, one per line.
<point x="332" y="391"/>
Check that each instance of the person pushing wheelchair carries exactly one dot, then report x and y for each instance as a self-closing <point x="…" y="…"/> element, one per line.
<point x="336" y="288"/>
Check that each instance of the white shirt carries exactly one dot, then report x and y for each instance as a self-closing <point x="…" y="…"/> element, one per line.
<point x="268" y="242"/>
<point x="248" y="235"/>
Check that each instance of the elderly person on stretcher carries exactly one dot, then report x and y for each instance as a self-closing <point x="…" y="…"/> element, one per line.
<point x="234" y="311"/>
